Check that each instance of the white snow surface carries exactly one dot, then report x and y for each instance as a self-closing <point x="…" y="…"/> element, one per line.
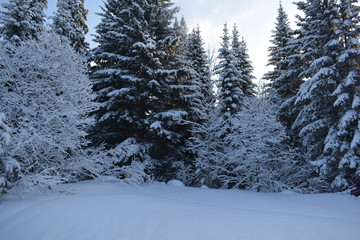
<point x="99" y="210"/>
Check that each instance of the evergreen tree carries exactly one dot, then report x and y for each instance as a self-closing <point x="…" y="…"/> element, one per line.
<point x="70" y="21"/>
<point x="124" y="67"/>
<point x="229" y="85"/>
<point x="22" y="19"/>
<point x="281" y="56"/>
<point x="144" y="86"/>
<point x="323" y="116"/>
<point x="243" y="64"/>
<point x="197" y="56"/>
<point x="173" y="97"/>
<point x="291" y="80"/>
<point x="341" y="153"/>
<point x="319" y="48"/>
<point x="199" y="96"/>
<point x="188" y="86"/>
<point x="47" y="95"/>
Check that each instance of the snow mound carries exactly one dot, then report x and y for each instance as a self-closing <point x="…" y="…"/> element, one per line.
<point x="176" y="183"/>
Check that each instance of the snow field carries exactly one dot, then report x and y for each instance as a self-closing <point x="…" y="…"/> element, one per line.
<point x="96" y="210"/>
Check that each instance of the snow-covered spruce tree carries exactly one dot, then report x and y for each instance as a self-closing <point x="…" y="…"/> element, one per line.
<point x="199" y="97"/>
<point x="198" y="60"/>
<point x="22" y="19"/>
<point x="341" y="162"/>
<point x="122" y="74"/>
<point x="186" y="85"/>
<point x="70" y="21"/>
<point x="173" y="94"/>
<point x="142" y="83"/>
<point x="8" y="166"/>
<point x="124" y="63"/>
<point x="315" y="99"/>
<point x="290" y="80"/>
<point x="281" y="77"/>
<point x="47" y="95"/>
<point x="229" y="85"/>
<point x="243" y="64"/>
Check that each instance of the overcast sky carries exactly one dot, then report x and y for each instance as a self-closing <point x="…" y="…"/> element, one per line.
<point x="255" y="20"/>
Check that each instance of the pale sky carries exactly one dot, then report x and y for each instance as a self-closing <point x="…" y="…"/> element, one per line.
<point x="254" y="18"/>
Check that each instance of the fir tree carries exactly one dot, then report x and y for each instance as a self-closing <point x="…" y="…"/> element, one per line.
<point x="229" y="86"/>
<point x="282" y="79"/>
<point x="70" y="21"/>
<point x="319" y="48"/>
<point x="144" y="86"/>
<point x="290" y="80"/>
<point x="183" y="25"/>
<point x="172" y="97"/>
<point x="22" y="19"/>
<point x="200" y="96"/>
<point x="341" y="153"/>
<point x="243" y="64"/>
<point x="123" y="70"/>
<point x="197" y="56"/>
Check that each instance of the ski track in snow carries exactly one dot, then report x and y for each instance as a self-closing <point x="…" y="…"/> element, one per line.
<point x="96" y="210"/>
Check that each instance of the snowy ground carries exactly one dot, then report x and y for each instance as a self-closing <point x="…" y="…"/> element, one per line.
<point x="96" y="210"/>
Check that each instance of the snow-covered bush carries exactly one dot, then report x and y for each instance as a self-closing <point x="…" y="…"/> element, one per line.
<point x="259" y="159"/>
<point x="129" y="161"/>
<point x="209" y="149"/>
<point x="45" y="90"/>
<point x="4" y="133"/>
<point x="247" y="150"/>
<point x="8" y="166"/>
